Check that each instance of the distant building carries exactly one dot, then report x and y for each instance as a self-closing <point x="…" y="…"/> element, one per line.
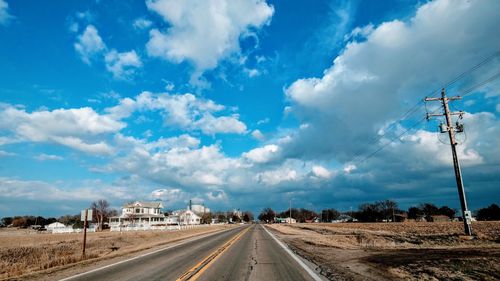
<point x="55" y="226"/>
<point x="345" y="218"/>
<point x="199" y="209"/>
<point x="439" y="218"/>
<point x="400" y="217"/>
<point x="285" y="220"/>
<point x="139" y="214"/>
<point x="184" y="217"/>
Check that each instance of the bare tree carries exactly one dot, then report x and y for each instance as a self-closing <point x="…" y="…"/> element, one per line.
<point x="101" y="211"/>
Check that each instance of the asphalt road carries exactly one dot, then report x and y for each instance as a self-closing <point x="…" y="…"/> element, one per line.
<point x="255" y="256"/>
<point x="243" y="253"/>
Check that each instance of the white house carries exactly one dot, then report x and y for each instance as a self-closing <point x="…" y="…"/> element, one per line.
<point x="184" y="217"/>
<point x="139" y="215"/>
<point x="55" y="226"/>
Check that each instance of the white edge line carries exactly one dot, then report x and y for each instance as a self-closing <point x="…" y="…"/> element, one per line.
<point x="313" y="274"/>
<point x="143" y="255"/>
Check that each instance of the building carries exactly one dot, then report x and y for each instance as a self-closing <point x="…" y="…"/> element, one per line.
<point x="55" y="226"/>
<point x="184" y="217"/>
<point x="285" y="220"/>
<point x="439" y="218"/>
<point x="199" y="209"/>
<point x="139" y="215"/>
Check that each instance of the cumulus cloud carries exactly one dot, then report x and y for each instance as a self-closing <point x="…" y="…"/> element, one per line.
<point x="122" y="65"/>
<point x="69" y="127"/>
<point x="393" y="63"/>
<point x="178" y="161"/>
<point x="5" y="16"/>
<point x="89" y="44"/>
<point x="184" y="111"/>
<point x="262" y="154"/>
<point x="204" y="32"/>
<point x="277" y="176"/>
<point x="321" y="172"/>
<point x="4" y="153"/>
<point x="46" y="157"/>
<point x="142" y="23"/>
<point x="170" y="195"/>
<point x="258" y="135"/>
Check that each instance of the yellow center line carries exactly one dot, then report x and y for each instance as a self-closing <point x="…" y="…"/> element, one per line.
<point x="196" y="271"/>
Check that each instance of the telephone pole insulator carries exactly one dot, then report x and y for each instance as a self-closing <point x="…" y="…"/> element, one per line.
<point x="451" y="130"/>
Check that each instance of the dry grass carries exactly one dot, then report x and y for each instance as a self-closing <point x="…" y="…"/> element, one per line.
<point x="23" y="251"/>
<point x="393" y="235"/>
<point x="398" y="251"/>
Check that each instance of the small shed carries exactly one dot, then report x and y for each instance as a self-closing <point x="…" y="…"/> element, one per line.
<point x="55" y="225"/>
<point x="400" y="217"/>
<point x="439" y="218"/>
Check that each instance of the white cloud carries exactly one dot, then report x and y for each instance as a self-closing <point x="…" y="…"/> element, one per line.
<point x="4" y="153"/>
<point x="217" y="195"/>
<point x="211" y="125"/>
<point x="321" y="172"/>
<point x="40" y="191"/>
<point x="89" y="44"/>
<point x="70" y="127"/>
<point x="258" y="135"/>
<point x="252" y="72"/>
<point x="169" y="195"/>
<point x="349" y="168"/>
<point x="5" y="16"/>
<point x="122" y="65"/>
<point x="395" y="63"/>
<point x="98" y="148"/>
<point x="277" y="176"/>
<point x="45" y="157"/>
<point x="185" y="111"/>
<point x="262" y="154"/>
<point x="142" y="23"/>
<point x="263" y="121"/>
<point x="204" y="32"/>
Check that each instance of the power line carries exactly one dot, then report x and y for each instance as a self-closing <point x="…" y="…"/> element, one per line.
<point x="392" y="140"/>
<point x="467" y="92"/>
<point x="478" y="85"/>
<point x="433" y="93"/>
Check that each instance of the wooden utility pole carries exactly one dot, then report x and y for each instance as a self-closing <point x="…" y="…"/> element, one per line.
<point x="290" y="211"/>
<point x="85" y="233"/>
<point x="451" y="129"/>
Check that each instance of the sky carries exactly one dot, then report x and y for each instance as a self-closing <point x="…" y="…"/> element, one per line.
<point x="245" y="104"/>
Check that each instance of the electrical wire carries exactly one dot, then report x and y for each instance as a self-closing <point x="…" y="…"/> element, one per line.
<point x="433" y="93"/>
<point x="478" y="85"/>
<point x="392" y="140"/>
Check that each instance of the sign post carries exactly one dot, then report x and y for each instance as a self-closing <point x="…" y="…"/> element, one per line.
<point x="84" y="217"/>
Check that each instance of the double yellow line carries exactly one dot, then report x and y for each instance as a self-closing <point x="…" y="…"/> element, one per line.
<point x="196" y="271"/>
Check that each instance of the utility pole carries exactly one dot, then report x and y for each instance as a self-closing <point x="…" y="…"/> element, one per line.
<point x="451" y="129"/>
<point x="85" y="233"/>
<point x="290" y="211"/>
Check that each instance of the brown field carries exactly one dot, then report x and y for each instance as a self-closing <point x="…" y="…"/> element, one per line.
<point x="395" y="251"/>
<point x="26" y="252"/>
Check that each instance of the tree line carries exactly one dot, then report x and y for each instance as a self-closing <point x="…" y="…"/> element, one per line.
<point x="101" y="212"/>
<point x="379" y="211"/>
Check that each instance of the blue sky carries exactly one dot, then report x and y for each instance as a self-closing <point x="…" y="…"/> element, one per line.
<point x="242" y="104"/>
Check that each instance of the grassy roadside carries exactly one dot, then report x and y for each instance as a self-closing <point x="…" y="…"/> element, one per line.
<point x="397" y="251"/>
<point x="28" y="254"/>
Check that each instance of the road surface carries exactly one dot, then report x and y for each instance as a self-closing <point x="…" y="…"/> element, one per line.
<point x="244" y="253"/>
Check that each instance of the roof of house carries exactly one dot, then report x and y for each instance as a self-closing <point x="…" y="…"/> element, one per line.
<point x="56" y="224"/>
<point x="156" y="204"/>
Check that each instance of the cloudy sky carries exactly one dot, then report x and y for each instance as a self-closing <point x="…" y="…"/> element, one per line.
<point x="244" y="104"/>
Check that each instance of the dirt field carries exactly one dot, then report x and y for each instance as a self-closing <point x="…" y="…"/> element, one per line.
<point x="395" y="251"/>
<point x="27" y="252"/>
